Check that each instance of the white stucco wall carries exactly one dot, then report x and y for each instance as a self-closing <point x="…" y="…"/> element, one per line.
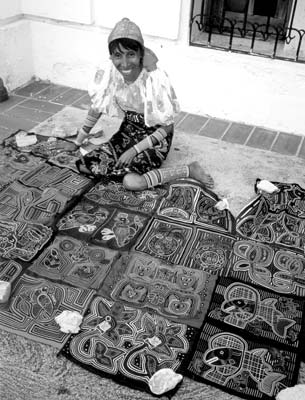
<point x="9" y="8"/>
<point x="16" y="61"/>
<point x="158" y="18"/>
<point x="62" y="10"/>
<point x="253" y="90"/>
<point x="70" y="54"/>
<point x="67" y="39"/>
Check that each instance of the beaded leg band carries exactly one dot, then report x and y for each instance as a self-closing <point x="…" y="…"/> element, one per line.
<point x="162" y="175"/>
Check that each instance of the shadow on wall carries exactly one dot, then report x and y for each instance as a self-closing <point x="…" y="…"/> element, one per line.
<point x="3" y="91"/>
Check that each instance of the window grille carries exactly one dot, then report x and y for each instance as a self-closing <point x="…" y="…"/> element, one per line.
<point x="255" y="27"/>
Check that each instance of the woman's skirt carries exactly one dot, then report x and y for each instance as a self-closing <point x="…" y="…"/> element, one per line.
<point x="102" y="160"/>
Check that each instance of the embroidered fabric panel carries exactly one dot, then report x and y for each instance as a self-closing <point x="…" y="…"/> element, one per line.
<point x="48" y="149"/>
<point x="165" y="240"/>
<point x="147" y="306"/>
<point x="14" y="165"/>
<point x="83" y="219"/>
<point x="277" y="218"/>
<point x="115" y="195"/>
<point x="25" y="204"/>
<point x="245" y="368"/>
<point x="289" y="198"/>
<point x="173" y="291"/>
<point x="22" y="240"/>
<point x="44" y="147"/>
<point x="75" y="262"/>
<point x="258" y="312"/>
<point x="35" y="303"/>
<point x="113" y="228"/>
<point x="62" y="179"/>
<point x="121" y="229"/>
<point x="188" y="202"/>
<point x="65" y="160"/>
<point x="273" y="267"/>
<point x="192" y="247"/>
<point x="128" y="344"/>
<point x="209" y="251"/>
<point x="9" y="270"/>
<point x="180" y="203"/>
<point x="101" y="161"/>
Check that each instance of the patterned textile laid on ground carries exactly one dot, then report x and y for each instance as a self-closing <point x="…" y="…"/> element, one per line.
<point x="28" y="204"/>
<point x="128" y="344"/>
<point x="271" y="250"/>
<point x="173" y="291"/>
<point x="115" y="195"/>
<point x="64" y="180"/>
<point x="75" y="262"/>
<point x="243" y="366"/>
<point x="20" y="240"/>
<point x="162" y="278"/>
<point x="34" y="305"/>
<point x="14" y="164"/>
<point x="277" y="218"/>
<point x="39" y="145"/>
<point x="259" y="312"/>
<point x="253" y="337"/>
<point x="10" y="270"/>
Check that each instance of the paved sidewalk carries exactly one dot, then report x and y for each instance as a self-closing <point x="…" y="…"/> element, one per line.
<point x="39" y="100"/>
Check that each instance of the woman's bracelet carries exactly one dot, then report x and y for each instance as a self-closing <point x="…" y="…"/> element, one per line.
<point x="159" y="134"/>
<point x="147" y="143"/>
<point x="81" y="136"/>
<point x="137" y="149"/>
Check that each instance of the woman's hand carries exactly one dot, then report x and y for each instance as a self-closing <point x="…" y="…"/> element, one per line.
<point x="81" y="136"/>
<point x="126" y="158"/>
<point x="72" y="147"/>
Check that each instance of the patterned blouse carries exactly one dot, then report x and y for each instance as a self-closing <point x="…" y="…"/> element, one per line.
<point x="150" y="94"/>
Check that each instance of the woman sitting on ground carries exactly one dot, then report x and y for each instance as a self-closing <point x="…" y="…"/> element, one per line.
<point x="133" y="87"/>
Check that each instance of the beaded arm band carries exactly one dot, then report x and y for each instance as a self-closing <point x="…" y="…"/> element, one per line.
<point x="89" y="123"/>
<point x="91" y="119"/>
<point x="81" y="136"/>
<point x="148" y="142"/>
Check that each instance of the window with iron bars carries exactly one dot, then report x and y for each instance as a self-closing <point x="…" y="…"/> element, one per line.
<point x="266" y="28"/>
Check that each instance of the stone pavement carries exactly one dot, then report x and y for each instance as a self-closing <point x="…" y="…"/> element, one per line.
<point x="234" y="154"/>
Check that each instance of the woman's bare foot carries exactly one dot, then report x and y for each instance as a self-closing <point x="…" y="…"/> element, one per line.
<point x="197" y="172"/>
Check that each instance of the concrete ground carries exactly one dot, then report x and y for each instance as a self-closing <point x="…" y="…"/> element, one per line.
<point x="235" y="168"/>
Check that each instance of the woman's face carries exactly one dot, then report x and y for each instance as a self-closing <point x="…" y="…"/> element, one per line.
<point x="127" y="62"/>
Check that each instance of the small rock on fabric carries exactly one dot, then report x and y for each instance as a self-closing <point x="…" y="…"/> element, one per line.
<point x="164" y="380"/>
<point x="5" y="291"/>
<point x="69" y="321"/>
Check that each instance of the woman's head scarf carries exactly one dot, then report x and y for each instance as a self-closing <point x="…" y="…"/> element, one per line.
<point x="129" y="30"/>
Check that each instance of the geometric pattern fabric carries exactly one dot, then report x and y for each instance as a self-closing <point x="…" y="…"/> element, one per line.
<point x="162" y="277"/>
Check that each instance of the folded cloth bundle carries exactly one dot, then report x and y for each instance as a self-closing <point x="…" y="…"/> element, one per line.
<point x="24" y="139"/>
